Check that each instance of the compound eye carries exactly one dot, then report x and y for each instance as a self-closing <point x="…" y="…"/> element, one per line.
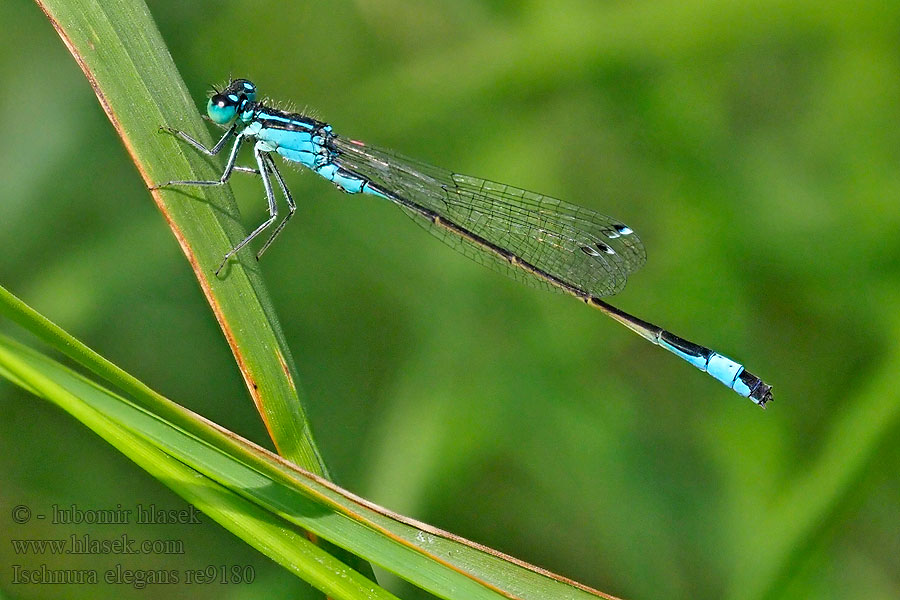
<point x="222" y="108"/>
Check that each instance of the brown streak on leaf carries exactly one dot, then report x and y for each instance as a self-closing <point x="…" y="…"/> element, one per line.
<point x="285" y="368"/>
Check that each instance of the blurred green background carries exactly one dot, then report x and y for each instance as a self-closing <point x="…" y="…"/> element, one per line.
<point x="755" y="147"/>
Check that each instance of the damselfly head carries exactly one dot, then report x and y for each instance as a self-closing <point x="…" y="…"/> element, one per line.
<point x="224" y="106"/>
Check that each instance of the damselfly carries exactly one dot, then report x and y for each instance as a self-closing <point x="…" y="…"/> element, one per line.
<point x="536" y="239"/>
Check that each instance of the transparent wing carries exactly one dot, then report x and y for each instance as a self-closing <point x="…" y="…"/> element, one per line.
<point x="578" y="246"/>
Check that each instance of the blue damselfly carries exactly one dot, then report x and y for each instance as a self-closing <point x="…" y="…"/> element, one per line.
<point x="536" y="239"/>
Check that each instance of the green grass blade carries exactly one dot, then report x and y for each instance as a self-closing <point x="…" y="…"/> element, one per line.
<point x="272" y="490"/>
<point x="279" y="540"/>
<point x="37" y="324"/>
<point x="120" y="50"/>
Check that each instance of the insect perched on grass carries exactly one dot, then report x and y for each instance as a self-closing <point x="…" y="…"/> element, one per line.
<point x="536" y="239"/>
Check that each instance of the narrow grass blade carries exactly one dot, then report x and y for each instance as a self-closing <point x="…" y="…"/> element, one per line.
<point x="281" y="541"/>
<point x="123" y="56"/>
<point x="439" y="562"/>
